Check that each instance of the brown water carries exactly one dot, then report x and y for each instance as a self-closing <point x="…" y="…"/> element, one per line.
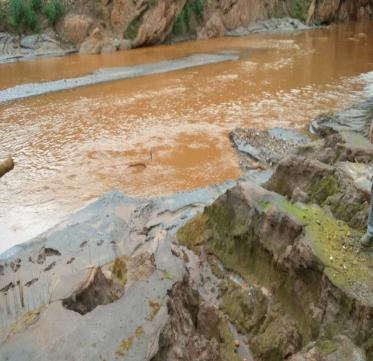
<point x="71" y="147"/>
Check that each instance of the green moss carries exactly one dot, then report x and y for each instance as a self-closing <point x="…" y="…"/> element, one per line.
<point x="178" y="27"/>
<point x="323" y="189"/>
<point x="168" y="276"/>
<point x="246" y="309"/>
<point x="215" y="268"/>
<point x="120" y="270"/>
<point x="327" y="238"/>
<point x="326" y="346"/>
<point x="192" y="233"/>
<point x="227" y="346"/>
<point x="353" y="213"/>
<point x="233" y="233"/>
<point x="96" y="8"/>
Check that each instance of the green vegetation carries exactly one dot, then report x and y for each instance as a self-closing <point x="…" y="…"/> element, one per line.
<point x="36" y="4"/>
<point x="23" y="15"/>
<point x="182" y="21"/>
<point x="53" y="11"/>
<point x="298" y="9"/>
<point x="178" y="27"/>
<point x="198" y="7"/>
<point x="133" y="28"/>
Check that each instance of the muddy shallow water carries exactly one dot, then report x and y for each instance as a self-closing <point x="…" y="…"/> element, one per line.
<point x="163" y="133"/>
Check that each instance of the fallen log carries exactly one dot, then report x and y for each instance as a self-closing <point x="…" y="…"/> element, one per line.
<point x="6" y="165"/>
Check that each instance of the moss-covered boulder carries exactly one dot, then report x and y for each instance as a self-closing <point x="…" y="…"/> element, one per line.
<point x="303" y="257"/>
<point x="339" y="147"/>
<point x="339" y="348"/>
<point x="343" y="188"/>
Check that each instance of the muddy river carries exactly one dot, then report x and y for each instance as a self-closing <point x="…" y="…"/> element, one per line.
<point x="167" y="132"/>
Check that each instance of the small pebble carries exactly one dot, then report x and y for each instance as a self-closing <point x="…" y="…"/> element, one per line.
<point x="236" y="343"/>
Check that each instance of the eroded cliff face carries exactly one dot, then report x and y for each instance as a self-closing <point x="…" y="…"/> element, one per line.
<point x="292" y="276"/>
<point x="104" y="26"/>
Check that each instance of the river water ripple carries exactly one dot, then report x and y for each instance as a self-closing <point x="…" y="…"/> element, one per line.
<point x="163" y="133"/>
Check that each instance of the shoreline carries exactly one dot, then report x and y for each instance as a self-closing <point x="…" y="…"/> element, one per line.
<point x="120" y="251"/>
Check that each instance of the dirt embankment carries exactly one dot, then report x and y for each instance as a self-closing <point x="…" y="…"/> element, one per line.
<point x="108" y="25"/>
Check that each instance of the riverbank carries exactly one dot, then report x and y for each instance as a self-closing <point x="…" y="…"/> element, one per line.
<point x="59" y="27"/>
<point x="272" y="270"/>
<point x="49" y="44"/>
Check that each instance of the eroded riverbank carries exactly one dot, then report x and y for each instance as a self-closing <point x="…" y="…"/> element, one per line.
<point x="73" y="146"/>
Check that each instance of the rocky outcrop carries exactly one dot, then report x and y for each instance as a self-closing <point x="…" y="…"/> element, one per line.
<point x="310" y="283"/>
<point x="115" y="282"/>
<point x="76" y="28"/>
<point x="13" y="47"/>
<point x="339" y="348"/>
<point x="292" y="276"/>
<point x="148" y="22"/>
<point x="344" y="188"/>
<point x="328" y="11"/>
<point x="263" y="149"/>
<point x="357" y="119"/>
<point x="282" y="25"/>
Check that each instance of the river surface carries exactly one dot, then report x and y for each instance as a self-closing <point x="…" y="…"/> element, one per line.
<point x="167" y="132"/>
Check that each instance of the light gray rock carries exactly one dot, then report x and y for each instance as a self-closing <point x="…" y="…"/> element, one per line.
<point x="14" y="47"/>
<point x="30" y="42"/>
<point x="277" y="25"/>
<point x="357" y="118"/>
<point x="43" y="281"/>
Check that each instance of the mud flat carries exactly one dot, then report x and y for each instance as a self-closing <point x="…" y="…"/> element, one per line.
<point x="106" y="75"/>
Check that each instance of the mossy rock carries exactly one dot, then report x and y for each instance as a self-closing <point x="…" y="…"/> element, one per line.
<point x="299" y="252"/>
<point x="247" y="308"/>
